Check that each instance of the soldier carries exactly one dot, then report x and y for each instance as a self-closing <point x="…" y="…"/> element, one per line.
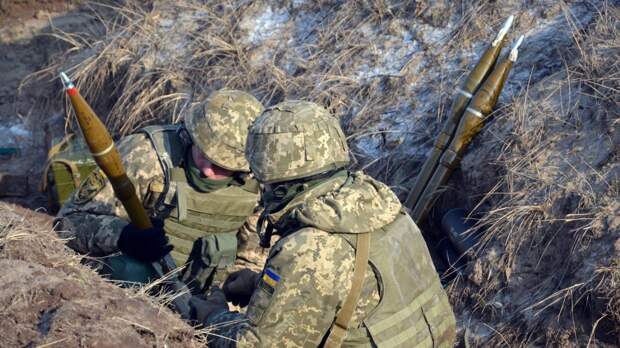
<point x="195" y="178"/>
<point x="351" y="266"/>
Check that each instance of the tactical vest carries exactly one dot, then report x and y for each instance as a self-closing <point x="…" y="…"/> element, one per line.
<point x="413" y="310"/>
<point x="189" y="216"/>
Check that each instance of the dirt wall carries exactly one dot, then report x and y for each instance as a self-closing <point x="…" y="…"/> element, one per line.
<point x="541" y="180"/>
<point x="49" y="298"/>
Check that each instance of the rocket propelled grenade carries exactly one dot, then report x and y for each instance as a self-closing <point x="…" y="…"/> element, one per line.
<point x="465" y="126"/>
<point x="106" y="155"/>
<point x="108" y="159"/>
<point x="459" y="103"/>
<point x="501" y="35"/>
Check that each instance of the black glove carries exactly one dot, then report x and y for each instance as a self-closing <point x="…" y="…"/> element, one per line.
<point x="239" y="287"/>
<point x="147" y="245"/>
<point x="202" y="308"/>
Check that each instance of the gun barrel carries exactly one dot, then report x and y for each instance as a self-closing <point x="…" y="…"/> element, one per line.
<point x="460" y="101"/>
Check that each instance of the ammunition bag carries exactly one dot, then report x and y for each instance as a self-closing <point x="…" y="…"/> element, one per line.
<point x="68" y="161"/>
<point x="209" y="253"/>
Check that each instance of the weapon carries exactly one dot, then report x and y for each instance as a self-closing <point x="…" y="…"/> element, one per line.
<point x="465" y="93"/>
<point x="108" y="159"/>
<point x="463" y="123"/>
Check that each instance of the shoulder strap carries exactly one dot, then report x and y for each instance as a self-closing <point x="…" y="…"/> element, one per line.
<point x="169" y="149"/>
<point x="340" y="326"/>
<point x="166" y="143"/>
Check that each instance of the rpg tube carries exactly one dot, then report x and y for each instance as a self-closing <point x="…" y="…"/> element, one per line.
<point x="469" y="126"/>
<point x="460" y="101"/>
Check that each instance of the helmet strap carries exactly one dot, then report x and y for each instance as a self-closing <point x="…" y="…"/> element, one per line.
<point x="183" y="134"/>
<point x="281" y="195"/>
<point x="264" y="236"/>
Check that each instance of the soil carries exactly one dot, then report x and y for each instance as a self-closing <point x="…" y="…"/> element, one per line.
<point x="49" y="298"/>
<point x="15" y="11"/>
<point x="541" y="180"/>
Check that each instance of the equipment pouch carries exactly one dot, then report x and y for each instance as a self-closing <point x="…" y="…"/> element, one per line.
<point x="221" y="249"/>
<point x="67" y="164"/>
<point x="209" y="257"/>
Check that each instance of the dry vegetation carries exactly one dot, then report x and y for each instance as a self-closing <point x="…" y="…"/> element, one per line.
<point x="542" y="178"/>
<point x="550" y="257"/>
<point x="49" y="298"/>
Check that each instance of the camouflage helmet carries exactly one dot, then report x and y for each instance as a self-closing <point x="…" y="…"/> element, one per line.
<point x="219" y="126"/>
<point x="295" y="139"/>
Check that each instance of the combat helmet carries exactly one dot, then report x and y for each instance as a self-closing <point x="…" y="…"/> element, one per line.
<point x="219" y="126"/>
<point x="293" y="140"/>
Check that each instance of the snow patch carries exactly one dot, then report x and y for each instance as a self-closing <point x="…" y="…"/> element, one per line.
<point x="12" y="136"/>
<point x="265" y="25"/>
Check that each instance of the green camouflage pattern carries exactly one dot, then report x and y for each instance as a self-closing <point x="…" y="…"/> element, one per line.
<point x="295" y="139"/>
<point x="309" y="272"/>
<point x="219" y="126"/>
<point x="202" y="226"/>
<point x="352" y="208"/>
<point x="92" y="224"/>
<point x="60" y="178"/>
<point x="316" y="266"/>
<point x="92" y="219"/>
<point x="316" y="270"/>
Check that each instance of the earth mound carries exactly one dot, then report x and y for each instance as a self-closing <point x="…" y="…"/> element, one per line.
<point x="541" y="181"/>
<point x="48" y="298"/>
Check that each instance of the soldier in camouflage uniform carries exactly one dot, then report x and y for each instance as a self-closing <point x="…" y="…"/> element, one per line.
<point x="351" y="267"/>
<point x="195" y="178"/>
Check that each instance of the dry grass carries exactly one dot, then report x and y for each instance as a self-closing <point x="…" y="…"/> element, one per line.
<point x="538" y="177"/>
<point x="49" y="297"/>
<point x="550" y="223"/>
<point x="143" y="72"/>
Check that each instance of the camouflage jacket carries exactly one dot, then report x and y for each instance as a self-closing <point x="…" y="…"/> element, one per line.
<point x="93" y="218"/>
<point x="309" y="273"/>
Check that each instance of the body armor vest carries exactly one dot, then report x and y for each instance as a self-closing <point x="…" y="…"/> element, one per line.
<point x="413" y="310"/>
<point x="190" y="216"/>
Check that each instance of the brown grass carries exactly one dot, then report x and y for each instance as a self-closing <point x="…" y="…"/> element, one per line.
<point x="546" y="270"/>
<point x="139" y="75"/>
<point x="550" y="223"/>
<point x="49" y="298"/>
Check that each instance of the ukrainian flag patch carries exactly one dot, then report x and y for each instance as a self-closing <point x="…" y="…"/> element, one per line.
<point x="269" y="281"/>
<point x="271" y="278"/>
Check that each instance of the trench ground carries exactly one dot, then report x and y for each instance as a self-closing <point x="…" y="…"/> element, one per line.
<point x="541" y="180"/>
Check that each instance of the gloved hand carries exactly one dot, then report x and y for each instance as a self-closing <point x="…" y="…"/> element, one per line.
<point x="239" y="287"/>
<point x="147" y="245"/>
<point x="202" y="308"/>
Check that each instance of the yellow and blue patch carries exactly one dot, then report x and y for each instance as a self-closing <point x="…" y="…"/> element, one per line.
<point x="269" y="281"/>
<point x="270" y="277"/>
